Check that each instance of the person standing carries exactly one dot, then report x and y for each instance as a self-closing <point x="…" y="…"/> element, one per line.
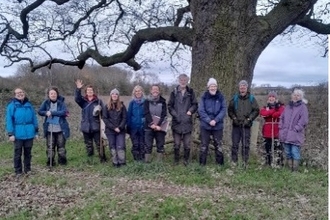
<point x="243" y="109"/>
<point x="22" y="128"/>
<point x="271" y="114"/>
<point x="212" y="111"/>
<point x="114" y="117"/>
<point x="154" y="107"/>
<point x="91" y="107"/>
<point x="135" y="123"/>
<point x="181" y="106"/>
<point x="293" y="122"/>
<point x="56" y="127"/>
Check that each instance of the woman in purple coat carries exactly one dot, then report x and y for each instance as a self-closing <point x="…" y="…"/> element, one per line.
<point x="292" y="126"/>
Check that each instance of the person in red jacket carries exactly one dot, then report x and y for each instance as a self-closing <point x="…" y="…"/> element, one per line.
<point x="271" y="113"/>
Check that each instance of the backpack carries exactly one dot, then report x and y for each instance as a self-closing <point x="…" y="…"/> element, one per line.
<point x="235" y="98"/>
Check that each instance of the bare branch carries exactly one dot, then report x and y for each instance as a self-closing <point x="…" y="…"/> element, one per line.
<point x="180" y="13"/>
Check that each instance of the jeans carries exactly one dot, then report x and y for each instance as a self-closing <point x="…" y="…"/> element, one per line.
<point x="292" y="151"/>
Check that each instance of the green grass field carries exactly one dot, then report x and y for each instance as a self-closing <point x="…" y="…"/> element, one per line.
<point x="86" y="189"/>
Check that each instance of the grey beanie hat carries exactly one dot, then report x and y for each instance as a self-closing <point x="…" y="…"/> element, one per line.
<point x="114" y="91"/>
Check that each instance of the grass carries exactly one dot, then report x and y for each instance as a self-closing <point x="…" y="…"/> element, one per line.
<point x="89" y="190"/>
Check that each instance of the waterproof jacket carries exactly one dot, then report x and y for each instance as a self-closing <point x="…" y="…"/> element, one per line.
<point x="89" y="123"/>
<point x="293" y="122"/>
<point x="61" y="112"/>
<point x="178" y="106"/>
<point x="212" y="107"/>
<point x="114" y="119"/>
<point x="157" y="108"/>
<point x="135" y="115"/>
<point x="245" y="108"/>
<point x="272" y="117"/>
<point x="21" y="119"/>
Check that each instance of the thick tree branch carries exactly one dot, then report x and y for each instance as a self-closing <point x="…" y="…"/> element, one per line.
<point x="314" y="25"/>
<point x="174" y="34"/>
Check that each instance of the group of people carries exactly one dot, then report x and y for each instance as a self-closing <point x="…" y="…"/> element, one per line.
<point x="146" y="120"/>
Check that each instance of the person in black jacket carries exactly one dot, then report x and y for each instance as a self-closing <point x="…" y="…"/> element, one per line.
<point x="154" y="108"/>
<point x="181" y="106"/>
<point x="114" y="117"/>
<point x="243" y="109"/>
<point x="91" y="107"/>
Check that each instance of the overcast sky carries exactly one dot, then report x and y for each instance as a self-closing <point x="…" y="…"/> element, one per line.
<point x="281" y="63"/>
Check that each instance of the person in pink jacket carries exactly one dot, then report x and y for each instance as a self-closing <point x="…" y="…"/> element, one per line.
<point x="293" y="122"/>
<point x="271" y="113"/>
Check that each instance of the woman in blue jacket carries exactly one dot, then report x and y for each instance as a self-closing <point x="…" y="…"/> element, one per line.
<point x="22" y="128"/>
<point x="56" y="127"/>
<point x="212" y="111"/>
<point x="135" y="123"/>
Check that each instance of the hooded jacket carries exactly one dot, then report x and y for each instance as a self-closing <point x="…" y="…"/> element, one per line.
<point x="61" y="112"/>
<point x="21" y="119"/>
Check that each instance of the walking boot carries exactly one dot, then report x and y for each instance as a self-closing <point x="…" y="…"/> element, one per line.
<point x="295" y="165"/>
<point x="147" y="158"/>
<point x="160" y="157"/>
<point x="186" y="155"/>
<point x="202" y="159"/>
<point x="176" y="156"/>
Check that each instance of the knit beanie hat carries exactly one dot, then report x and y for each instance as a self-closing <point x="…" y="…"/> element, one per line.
<point x="212" y="81"/>
<point x="243" y="82"/>
<point x="272" y="93"/>
<point x="114" y="91"/>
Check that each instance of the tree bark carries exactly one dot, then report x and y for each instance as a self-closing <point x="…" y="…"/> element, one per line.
<point x="225" y="44"/>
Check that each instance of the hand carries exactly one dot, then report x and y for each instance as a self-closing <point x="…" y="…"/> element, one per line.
<point x="117" y="130"/>
<point x="96" y="110"/>
<point x="153" y="126"/>
<point x="12" y="138"/>
<point x="79" y="83"/>
<point x="247" y="122"/>
<point x="212" y="122"/>
<point x="236" y="122"/>
<point x="36" y="137"/>
<point x="158" y="128"/>
<point x="267" y="108"/>
<point x="188" y="113"/>
<point x="48" y="113"/>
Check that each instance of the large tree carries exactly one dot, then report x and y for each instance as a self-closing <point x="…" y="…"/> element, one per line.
<point x="226" y="37"/>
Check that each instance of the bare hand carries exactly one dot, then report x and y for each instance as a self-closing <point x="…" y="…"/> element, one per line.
<point x="117" y="130"/>
<point x="48" y="113"/>
<point x="158" y="128"/>
<point x="12" y="138"/>
<point x="188" y="113"/>
<point x="79" y="83"/>
<point x="213" y="122"/>
<point x="153" y="126"/>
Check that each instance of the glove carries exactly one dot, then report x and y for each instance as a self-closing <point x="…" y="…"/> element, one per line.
<point x="247" y="122"/>
<point x="236" y="122"/>
<point x="96" y="110"/>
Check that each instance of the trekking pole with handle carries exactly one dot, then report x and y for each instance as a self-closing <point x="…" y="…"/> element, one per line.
<point x="101" y="141"/>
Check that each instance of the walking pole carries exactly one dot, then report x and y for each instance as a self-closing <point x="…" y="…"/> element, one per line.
<point x="273" y="148"/>
<point x="243" y="147"/>
<point x="101" y="141"/>
<point x="51" y="148"/>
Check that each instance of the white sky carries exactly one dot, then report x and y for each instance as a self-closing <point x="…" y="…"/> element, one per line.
<point x="281" y="63"/>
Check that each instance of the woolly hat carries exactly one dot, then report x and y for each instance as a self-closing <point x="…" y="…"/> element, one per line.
<point x="272" y="93"/>
<point x="212" y="81"/>
<point x="114" y="91"/>
<point x="243" y="82"/>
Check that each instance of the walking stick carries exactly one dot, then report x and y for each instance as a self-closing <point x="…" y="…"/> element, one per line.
<point x="273" y="147"/>
<point x="243" y="147"/>
<point x="50" y="151"/>
<point x="101" y="141"/>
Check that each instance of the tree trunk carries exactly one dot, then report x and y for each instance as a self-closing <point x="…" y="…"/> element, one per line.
<point x="226" y="44"/>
